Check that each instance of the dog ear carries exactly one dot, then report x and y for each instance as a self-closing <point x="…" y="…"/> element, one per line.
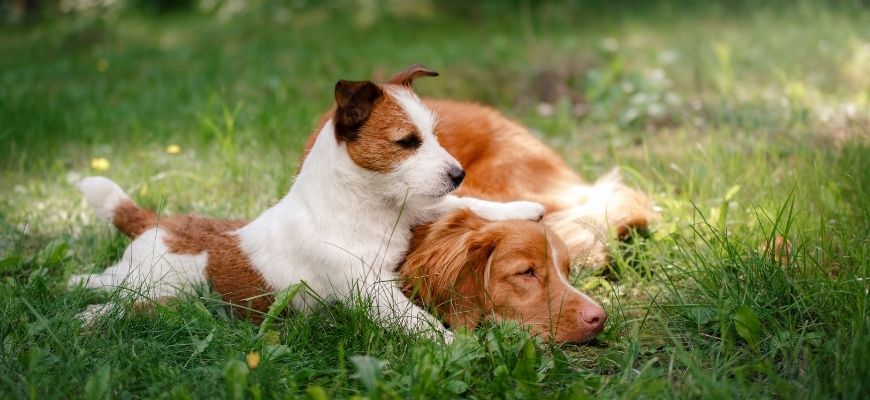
<point x="354" y="102"/>
<point x="446" y="264"/>
<point x="408" y="75"/>
<point x="467" y="305"/>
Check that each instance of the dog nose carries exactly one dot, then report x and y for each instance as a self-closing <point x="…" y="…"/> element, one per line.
<point x="594" y="316"/>
<point x="456" y="175"/>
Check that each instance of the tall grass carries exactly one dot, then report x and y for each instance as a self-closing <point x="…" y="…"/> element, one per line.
<point x="747" y="126"/>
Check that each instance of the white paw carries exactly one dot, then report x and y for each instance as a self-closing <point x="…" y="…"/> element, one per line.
<point x="90" y="281"/>
<point x="529" y="210"/>
<point x="77" y="280"/>
<point x="94" y="312"/>
<point x="448" y="336"/>
<point x="439" y="335"/>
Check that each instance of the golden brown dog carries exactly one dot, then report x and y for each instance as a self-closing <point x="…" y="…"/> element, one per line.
<point x="470" y="269"/>
<point x="503" y="161"/>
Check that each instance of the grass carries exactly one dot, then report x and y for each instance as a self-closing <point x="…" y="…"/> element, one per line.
<point x="743" y="124"/>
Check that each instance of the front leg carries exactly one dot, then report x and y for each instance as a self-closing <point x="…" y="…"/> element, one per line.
<point x="391" y="308"/>
<point x="491" y="210"/>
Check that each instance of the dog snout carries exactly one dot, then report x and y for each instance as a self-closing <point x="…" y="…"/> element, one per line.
<point x="456" y="174"/>
<point x="594" y="316"/>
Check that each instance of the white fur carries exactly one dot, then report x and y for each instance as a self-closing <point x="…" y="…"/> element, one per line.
<point x="146" y="269"/>
<point x="94" y="312"/>
<point x="554" y="253"/>
<point x="102" y="194"/>
<point x="421" y="116"/>
<point x="341" y="229"/>
<point x="600" y="200"/>
<point x="594" y="207"/>
<point x="150" y="268"/>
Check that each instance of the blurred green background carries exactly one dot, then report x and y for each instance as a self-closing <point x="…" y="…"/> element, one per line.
<point x="745" y="121"/>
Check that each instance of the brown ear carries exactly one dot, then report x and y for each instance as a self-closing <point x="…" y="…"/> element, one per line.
<point x="408" y="75"/>
<point x="354" y="102"/>
<point x="446" y="264"/>
<point x="467" y="295"/>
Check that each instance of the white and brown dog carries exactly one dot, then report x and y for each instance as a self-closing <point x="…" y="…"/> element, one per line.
<point x="375" y="170"/>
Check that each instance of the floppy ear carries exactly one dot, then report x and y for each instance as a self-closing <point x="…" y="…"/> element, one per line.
<point x="408" y="75"/>
<point x="354" y="102"/>
<point x="468" y="289"/>
<point x="445" y="266"/>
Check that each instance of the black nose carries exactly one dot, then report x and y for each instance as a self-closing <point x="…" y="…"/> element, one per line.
<point x="456" y="175"/>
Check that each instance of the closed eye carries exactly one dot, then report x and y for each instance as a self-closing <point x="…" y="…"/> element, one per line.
<point x="411" y="141"/>
<point x="528" y="272"/>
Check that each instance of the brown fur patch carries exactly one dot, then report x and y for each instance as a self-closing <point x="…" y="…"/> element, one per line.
<point x="132" y="220"/>
<point x="502" y="160"/>
<point x="374" y="147"/>
<point x="228" y="269"/>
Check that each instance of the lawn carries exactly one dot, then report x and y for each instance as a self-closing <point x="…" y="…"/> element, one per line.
<point x="747" y="126"/>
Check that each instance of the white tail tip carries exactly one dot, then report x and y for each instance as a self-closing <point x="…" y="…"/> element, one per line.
<point x="612" y="176"/>
<point x="103" y="195"/>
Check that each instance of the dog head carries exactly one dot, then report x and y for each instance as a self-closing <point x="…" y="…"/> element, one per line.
<point x="388" y="132"/>
<point x="469" y="269"/>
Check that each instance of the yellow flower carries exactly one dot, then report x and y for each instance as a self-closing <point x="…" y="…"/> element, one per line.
<point x="100" y="164"/>
<point x="253" y="359"/>
<point x="102" y="65"/>
<point x="173" y="149"/>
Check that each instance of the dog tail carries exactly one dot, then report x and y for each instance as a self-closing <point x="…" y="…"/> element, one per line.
<point x="600" y="209"/>
<point x="628" y="209"/>
<point x="110" y="202"/>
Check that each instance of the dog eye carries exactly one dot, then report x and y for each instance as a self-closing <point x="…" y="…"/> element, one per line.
<point x="530" y="272"/>
<point x="411" y="141"/>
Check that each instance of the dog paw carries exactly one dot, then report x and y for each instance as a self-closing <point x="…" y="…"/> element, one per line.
<point x="440" y="335"/>
<point x="528" y="210"/>
<point x="93" y="313"/>
<point x="78" y="280"/>
<point x="448" y="337"/>
<point x="434" y="331"/>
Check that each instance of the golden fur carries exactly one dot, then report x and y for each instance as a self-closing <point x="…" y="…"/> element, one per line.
<point x="470" y="269"/>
